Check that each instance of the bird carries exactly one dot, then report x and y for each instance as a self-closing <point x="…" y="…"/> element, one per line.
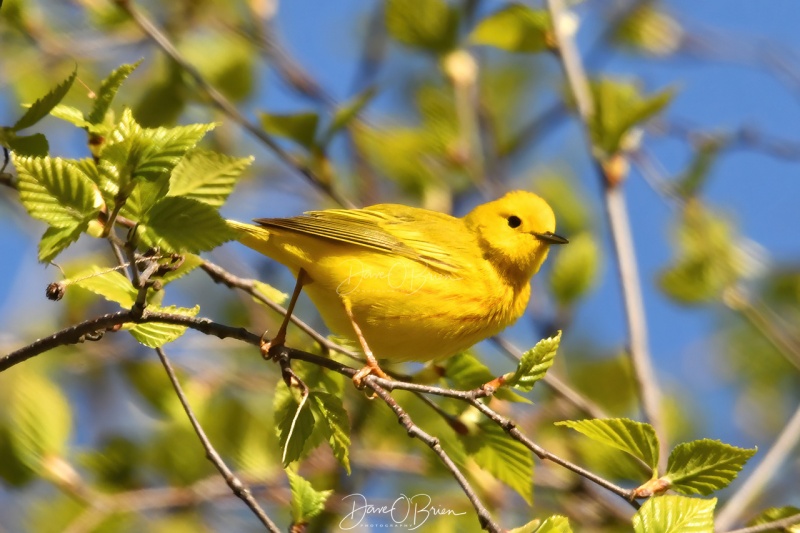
<point x="406" y="283"/>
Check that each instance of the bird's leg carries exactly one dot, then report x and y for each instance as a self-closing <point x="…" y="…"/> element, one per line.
<point x="372" y="366"/>
<point x="280" y="338"/>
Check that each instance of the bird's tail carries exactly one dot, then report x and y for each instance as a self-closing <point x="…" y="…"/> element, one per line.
<point x="255" y="237"/>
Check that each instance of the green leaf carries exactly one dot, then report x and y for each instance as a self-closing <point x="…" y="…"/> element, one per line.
<point x="294" y="425"/>
<point x="534" y="364"/>
<point x="515" y="28"/>
<point x="190" y="262"/>
<point x="33" y="145"/>
<point x="675" y="514"/>
<point x="306" y="502"/>
<point x="270" y="292"/>
<point x="55" y="240"/>
<point x="56" y="192"/>
<point x="555" y="524"/>
<point x="40" y="418"/>
<point x="330" y="415"/>
<point x="636" y="438"/>
<point x="148" y="380"/>
<point x="177" y="224"/>
<point x="708" y="260"/>
<point x="466" y="372"/>
<point x="505" y="458"/>
<point x="619" y="106"/>
<point x="431" y="25"/>
<point x="41" y="107"/>
<point x="575" y="268"/>
<point x="157" y="334"/>
<point x="774" y="514"/>
<point x="70" y="114"/>
<point x="346" y="113"/>
<point x="206" y="176"/>
<point x="703" y="466"/>
<point x="108" y="90"/>
<point x="110" y="284"/>
<point x="14" y="471"/>
<point x="649" y="29"/>
<point x="299" y="127"/>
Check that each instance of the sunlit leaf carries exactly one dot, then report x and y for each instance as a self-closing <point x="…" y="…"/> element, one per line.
<point x="515" y="28"/>
<point x="704" y="466"/>
<point x="157" y="334"/>
<point x="56" y="192"/>
<point x="294" y="424"/>
<point x="306" y="502"/>
<point x="108" y="90"/>
<point x="636" y="438"/>
<point x="55" y="240"/>
<point x="206" y="176"/>
<point x="430" y="25"/>
<point x="505" y="458"/>
<point x="534" y="364"/>
<point x="110" y="284"/>
<point x="774" y="514"/>
<point x="648" y="28"/>
<point x="177" y="224"/>
<point x="41" y="107"/>
<point x="675" y="514"/>
<point x="466" y="372"/>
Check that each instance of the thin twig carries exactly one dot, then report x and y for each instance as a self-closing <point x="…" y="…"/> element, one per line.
<point x="647" y="385"/>
<point x="777" y="525"/>
<point x="763" y="474"/>
<point x="149" y="28"/>
<point x="511" y="428"/>
<point x="239" y="489"/>
<point x="433" y="443"/>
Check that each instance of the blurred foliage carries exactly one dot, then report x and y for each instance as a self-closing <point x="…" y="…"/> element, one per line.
<point x="96" y="434"/>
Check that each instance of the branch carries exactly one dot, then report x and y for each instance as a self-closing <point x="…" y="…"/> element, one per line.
<point x="416" y="432"/>
<point x="763" y="474"/>
<point x="157" y="36"/>
<point x="511" y="428"/>
<point x="647" y="385"/>
<point x="783" y="523"/>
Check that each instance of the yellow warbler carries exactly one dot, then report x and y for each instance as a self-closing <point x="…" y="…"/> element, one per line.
<point x="408" y="283"/>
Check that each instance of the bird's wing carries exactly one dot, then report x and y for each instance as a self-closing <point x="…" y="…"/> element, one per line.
<point x="385" y="228"/>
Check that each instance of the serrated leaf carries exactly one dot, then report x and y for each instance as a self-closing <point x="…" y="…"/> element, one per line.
<point x="703" y="466"/>
<point x="299" y="127"/>
<point x="430" y="25"/>
<point x="505" y="458"/>
<point x="41" y="107"/>
<point x="55" y="240"/>
<point x="636" y="438"/>
<point x="32" y="145"/>
<point x="56" y="192"/>
<point x="534" y="364"/>
<point x="619" y="106"/>
<point x="575" y="268"/>
<point x="111" y="285"/>
<point x="331" y="416"/>
<point x="270" y="292"/>
<point x="306" y="502"/>
<point x="108" y="90"/>
<point x="774" y="514"/>
<point x="70" y="114"/>
<point x="206" y="176"/>
<point x="466" y="372"/>
<point x="157" y="334"/>
<point x="294" y="425"/>
<point x="177" y="225"/>
<point x="675" y="514"/>
<point x="515" y="28"/>
<point x="156" y="151"/>
<point x="40" y="418"/>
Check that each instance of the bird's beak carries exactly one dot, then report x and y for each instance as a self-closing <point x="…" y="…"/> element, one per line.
<point x="550" y="238"/>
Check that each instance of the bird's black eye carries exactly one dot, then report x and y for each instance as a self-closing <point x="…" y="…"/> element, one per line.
<point x="514" y="221"/>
